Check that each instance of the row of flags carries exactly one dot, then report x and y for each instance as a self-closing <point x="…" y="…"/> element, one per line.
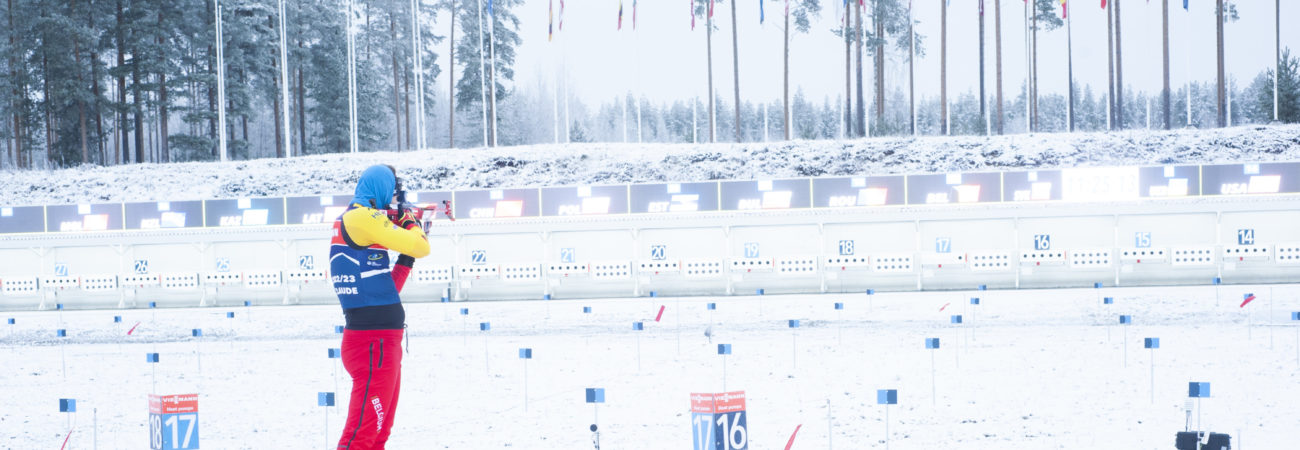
<point x="762" y="15"/>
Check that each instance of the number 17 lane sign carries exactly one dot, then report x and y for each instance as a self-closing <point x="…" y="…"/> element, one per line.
<point x="718" y="421"/>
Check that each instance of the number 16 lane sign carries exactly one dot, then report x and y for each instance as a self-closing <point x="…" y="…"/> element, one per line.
<point x="718" y="421"/>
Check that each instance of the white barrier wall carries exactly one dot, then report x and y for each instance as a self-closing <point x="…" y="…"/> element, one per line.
<point x="1001" y="245"/>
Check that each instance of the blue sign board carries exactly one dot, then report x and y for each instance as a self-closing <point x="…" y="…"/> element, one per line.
<point x="1198" y="389"/>
<point x="886" y="396"/>
<point x="931" y="343"/>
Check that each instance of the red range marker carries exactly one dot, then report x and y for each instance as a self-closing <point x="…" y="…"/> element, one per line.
<point x="661" y="313"/>
<point x="1249" y="299"/>
<point x="945" y="306"/>
<point x="132" y="330"/>
<point x="790" y="443"/>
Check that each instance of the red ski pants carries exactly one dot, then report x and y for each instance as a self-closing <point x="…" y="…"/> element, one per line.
<point x="374" y="359"/>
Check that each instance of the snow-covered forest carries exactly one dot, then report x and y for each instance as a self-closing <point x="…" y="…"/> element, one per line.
<point x="109" y="82"/>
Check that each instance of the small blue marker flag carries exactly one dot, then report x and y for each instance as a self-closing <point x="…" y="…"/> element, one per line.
<point x="654" y="294"/>
<point x="638" y="326"/>
<point x="484" y="326"/>
<point x="1125" y="320"/>
<point x="546" y="297"/>
<point x="1294" y="316"/>
<point x="230" y="314"/>
<point x="11" y="320"/>
<point x="155" y="304"/>
<point x="1218" y="281"/>
<point x="871" y="292"/>
<point x="839" y="305"/>
<point x="595" y="395"/>
<point x="887" y="396"/>
<point x="464" y="311"/>
<point x="974" y="300"/>
<point x="984" y="287"/>
<point x="1096" y="285"/>
<point x="325" y="399"/>
<point x="335" y="353"/>
<point x="713" y="306"/>
<point x="117" y="319"/>
<point x="956" y="319"/>
<point x="338" y="329"/>
<point x="759" y="292"/>
<point x="793" y="323"/>
<point x="62" y="332"/>
<point x="151" y="357"/>
<point x="444" y="300"/>
<point x="68" y="405"/>
<point x="1198" y="389"/>
<point x="1108" y="300"/>
<point x="248" y="303"/>
<point x="1152" y="343"/>
<point x="525" y="353"/>
<point x="197" y="332"/>
<point x="586" y="310"/>
<point x="58" y="306"/>
<point x="724" y="349"/>
<point x="931" y="343"/>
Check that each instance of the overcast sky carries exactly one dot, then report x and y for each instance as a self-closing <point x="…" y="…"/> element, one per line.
<point x="664" y="59"/>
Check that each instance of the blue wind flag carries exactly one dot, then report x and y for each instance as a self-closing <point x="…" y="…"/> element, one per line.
<point x="761" y="15"/>
<point x="1184" y="4"/>
<point x="489" y="8"/>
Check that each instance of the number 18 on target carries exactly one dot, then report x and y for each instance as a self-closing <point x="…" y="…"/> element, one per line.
<point x="174" y="422"/>
<point x="718" y="421"/>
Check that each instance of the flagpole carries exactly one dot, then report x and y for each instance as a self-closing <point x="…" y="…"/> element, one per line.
<point x="284" y="82"/>
<point x="1029" y="128"/>
<point x="492" y="48"/>
<point x="417" y="62"/>
<point x="1187" y="65"/>
<point x="636" y="77"/>
<point x="352" y="83"/>
<point x="1069" y="51"/>
<point x="482" y="75"/>
<point x="221" y="84"/>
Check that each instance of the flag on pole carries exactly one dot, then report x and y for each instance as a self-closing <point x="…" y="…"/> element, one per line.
<point x="981" y="8"/>
<point x="692" y="15"/>
<point x="1184" y="5"/>
<point x="550" y="22"/>
<point x="489" y="9"/>
<point x="1064" y="10"/>
<point x="1103" y="4"/>
<point x="761" y="16"/>
<point x="1246" y="299"/>
<point x="620" y="14"/>
<point x="711" y="8"/>
<point x="561" y="15"/>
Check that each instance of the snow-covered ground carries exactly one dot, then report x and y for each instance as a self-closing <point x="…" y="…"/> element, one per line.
<point x="591" y="164"/>
<point x="1029" y="369"/>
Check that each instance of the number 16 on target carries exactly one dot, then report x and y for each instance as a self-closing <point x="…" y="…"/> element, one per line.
<point x="718" y="421"/>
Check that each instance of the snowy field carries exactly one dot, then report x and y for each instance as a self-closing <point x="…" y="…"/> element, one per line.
<point x="1029" y="369"/>
<point x="604" y="163"/>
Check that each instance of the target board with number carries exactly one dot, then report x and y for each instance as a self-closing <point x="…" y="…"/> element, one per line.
<point x="174" y="422"/>
<point x="719" y="422"/>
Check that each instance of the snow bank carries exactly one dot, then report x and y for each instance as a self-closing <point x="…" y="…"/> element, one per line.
<point x="581" y="164"/>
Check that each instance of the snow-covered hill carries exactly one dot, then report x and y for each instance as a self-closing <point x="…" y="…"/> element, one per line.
<point x="550" y="165"/>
